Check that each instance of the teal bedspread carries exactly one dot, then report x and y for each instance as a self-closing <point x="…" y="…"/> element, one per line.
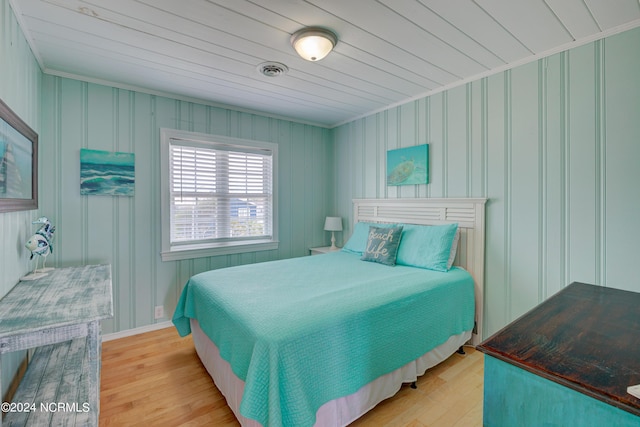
<point x="304" y="331"/>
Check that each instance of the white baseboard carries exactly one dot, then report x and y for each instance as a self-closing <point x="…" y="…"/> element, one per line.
<point x="136" y="331"/>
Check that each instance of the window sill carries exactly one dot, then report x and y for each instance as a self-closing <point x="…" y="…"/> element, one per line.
<point x="201" y="251"/>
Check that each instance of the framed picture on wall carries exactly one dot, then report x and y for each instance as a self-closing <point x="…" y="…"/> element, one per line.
<point x="18" y="163"/>
<point x="106" y="173"/>
<point x="408" y="165"/>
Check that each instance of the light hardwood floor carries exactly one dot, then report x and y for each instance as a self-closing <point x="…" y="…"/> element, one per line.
<point x="157" y="379"/>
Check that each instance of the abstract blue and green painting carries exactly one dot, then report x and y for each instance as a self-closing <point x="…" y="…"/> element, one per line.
<point x="106" y="173"/>
<point x="408" y="165"/>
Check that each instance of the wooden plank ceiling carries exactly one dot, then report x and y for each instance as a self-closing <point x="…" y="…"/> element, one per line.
<point x="389" y="51"/>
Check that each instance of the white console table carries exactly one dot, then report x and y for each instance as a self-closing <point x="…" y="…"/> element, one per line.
<point x="59" y="314"/>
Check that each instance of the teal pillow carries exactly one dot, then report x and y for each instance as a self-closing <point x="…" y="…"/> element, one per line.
<point x="382" y="245"/>
<point x="427" y="246"/>
<point x="358" y="240"/>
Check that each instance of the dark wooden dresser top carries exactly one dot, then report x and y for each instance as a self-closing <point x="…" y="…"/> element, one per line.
<point x="584" y="337"/>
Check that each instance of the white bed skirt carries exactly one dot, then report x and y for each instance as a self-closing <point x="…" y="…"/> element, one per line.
<point x="336" y="413"/>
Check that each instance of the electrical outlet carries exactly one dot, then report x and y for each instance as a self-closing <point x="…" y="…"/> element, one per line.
<point x="159" y="313"/>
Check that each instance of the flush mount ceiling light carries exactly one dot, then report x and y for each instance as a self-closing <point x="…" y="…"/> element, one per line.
<point x="313" y="43"/>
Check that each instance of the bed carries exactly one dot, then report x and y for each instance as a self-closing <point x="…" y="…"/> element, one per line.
<point x="321" y="340"/>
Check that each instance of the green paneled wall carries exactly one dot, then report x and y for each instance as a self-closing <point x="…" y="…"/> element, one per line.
<point x="553" y="144"/>
<point x="20" y="89"/>
<point x="124" y="231"/>
<point x="20" y="78"/>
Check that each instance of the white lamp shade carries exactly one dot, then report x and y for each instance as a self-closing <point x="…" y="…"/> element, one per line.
<point x="314" y="43"/>
<point x="333" y="223"/>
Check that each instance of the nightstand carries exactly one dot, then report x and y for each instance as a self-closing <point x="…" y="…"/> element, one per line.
<point x="322" y="250"/>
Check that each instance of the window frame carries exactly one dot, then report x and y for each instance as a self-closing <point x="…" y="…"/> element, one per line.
<point x="179" y="251"/>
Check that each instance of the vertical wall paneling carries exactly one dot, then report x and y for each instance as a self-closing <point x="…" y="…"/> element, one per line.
<point x="370" y="157"/>
<point x="444" y="144"/>
<point x="496" y="245"/>
<point x="142" y="119"/>
<point x="542" y="178"/>
<point x="457" y="143"/>
<point x="407" y="137"/>
<point x="483" y="131"/>
<point x="20" y="89"/>
<point x="621" y="151"/>
<point x="507" y="192"/>
<point x="553" y="145"/>
<point x="601" y="161"/>
<point x="285" y="184"/>
<point x="124" y="231"/>
<point x="565" y="138"/>
<point x="551" y="116"/>
<point x="524" y="188"/>
<point x="436" y="145"/>
<point x="471" y="131"/>
<point x="393" y="143"/>
<point x="297" y="167"/>
<point x="428" y="139"/>
<point x="582" y="159"/>
<point x="360" y="134"/>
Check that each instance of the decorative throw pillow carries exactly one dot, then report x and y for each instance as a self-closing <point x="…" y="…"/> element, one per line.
<point x="428" y="246"/>
<point x="382" y="245"/>
<point x="358" y="240"/>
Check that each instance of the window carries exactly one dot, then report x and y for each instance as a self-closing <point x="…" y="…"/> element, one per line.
<point x="218" y="195"/>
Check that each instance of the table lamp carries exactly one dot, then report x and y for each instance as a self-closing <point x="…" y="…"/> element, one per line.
<point x="333" y="224"/>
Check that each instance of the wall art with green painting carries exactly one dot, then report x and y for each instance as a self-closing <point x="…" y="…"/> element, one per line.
<point x="408" y="165"/>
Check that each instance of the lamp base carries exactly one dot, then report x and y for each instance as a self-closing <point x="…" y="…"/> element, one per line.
<point x="333" y="240"/>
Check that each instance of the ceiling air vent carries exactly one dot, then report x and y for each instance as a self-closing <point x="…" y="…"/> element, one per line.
<point x="273" y="69"/>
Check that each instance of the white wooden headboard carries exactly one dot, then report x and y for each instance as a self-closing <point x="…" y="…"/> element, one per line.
<point x="468" y="213"/>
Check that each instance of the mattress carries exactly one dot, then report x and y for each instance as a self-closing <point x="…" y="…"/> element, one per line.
<point x="339" y="412"/>
<point x="303" y="332"/>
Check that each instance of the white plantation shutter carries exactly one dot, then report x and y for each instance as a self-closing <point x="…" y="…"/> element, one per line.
<point x="219" y="193"/>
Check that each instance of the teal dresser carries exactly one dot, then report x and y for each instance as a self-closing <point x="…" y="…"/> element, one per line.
<point x="567" y="362"/>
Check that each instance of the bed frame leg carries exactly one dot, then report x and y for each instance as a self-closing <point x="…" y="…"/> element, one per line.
<point x="414" y="385"/>
<point x="461" y="351"/>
